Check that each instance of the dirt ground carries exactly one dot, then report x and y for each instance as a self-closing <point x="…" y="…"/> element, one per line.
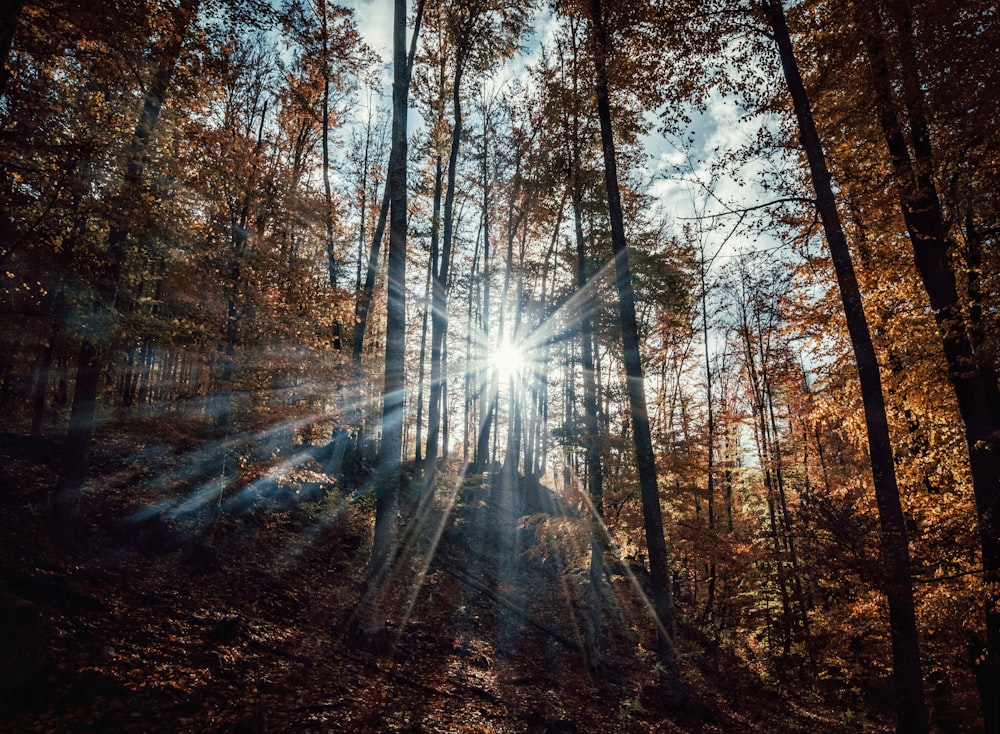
<point x="159" y="620"/>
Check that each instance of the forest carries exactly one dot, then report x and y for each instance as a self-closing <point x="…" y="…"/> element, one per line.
<point x="500" y="366"/>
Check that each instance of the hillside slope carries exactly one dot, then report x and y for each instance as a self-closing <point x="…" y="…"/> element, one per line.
<point x="247" y="628"/>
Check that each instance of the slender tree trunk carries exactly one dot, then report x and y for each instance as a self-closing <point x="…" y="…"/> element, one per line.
<point x="541" y="376"/>
<point x="433" y="413"/>
<point x="445" y="413"/>
<point x="362" y="306"/>
<point x="592" y="431"/>
<point x="439" y="311"/>
<point x="421" y="364"/>
<point x="972" y="374"/>
<point x="384" y="544"/>
<point x="762" y="437"/>
<point x="9" y="16"/>
<point x="331" y="260"/>
<point x="788" y="536"/>
<point x="910" y="706"/>
<point x="472" y="360"/>
<point x="659" y="563"/>
<point x="710" y="440"/>
<point x="485" y="413"/>
<point x="363" y="203"/>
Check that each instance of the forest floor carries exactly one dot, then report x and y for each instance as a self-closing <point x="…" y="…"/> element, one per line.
<point x="249" y="629"/>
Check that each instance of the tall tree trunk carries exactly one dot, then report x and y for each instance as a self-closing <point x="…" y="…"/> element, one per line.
<point x="659" y="563"/>
<point x="445" y="413"/>
<point x="362" y="306"/>
<point x="762" y="438"/>
<point x="363" y="203"/>
<point x="971" y="373"/>
<point x="332" y="265"/>
<point x="386" y="536"/>
<point x="485" y="413"/>
<point x="331" y="262"/>
<point x="9" y="16"/>
<point x="788" y="536"/>
<point x="421" y="364"/>
<point x="592" y="431"/>
<point x="359" y="450"/>
<point x="434" y="265"/>
<point x="910" y="705"/>
<point x="439" y="310"/>
<point x="710" y="440"/>
<point x="473" y="359"/>
<point x="539" y="465"/>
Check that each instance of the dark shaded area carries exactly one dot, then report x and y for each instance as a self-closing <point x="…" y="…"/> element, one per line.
<point x="153" y="628"/>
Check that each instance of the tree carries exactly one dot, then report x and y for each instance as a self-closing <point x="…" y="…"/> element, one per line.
<point x="79" y="436"/>
<point x="663" y="601"/>
<point x="906" y="128"/>
<point x="910" y="706"/>
<point x="572" y="139"/>
<point x="479" y="32"/>
<point x="363" y="303"/>
<point x="8" y="26"/>
<point x="390" y="455"/>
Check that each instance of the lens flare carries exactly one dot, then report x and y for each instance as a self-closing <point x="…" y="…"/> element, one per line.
<point x="508" y="359"/>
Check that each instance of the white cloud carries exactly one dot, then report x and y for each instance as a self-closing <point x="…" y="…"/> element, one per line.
<point x="374" y="21"/>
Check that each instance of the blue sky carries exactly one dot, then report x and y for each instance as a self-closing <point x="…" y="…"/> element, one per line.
<point x="721" y="128"/>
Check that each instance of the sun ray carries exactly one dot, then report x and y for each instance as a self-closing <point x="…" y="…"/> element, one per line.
<point x="508" y="359"/>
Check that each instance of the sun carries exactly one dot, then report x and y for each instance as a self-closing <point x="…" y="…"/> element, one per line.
<point x="508" y="359"/>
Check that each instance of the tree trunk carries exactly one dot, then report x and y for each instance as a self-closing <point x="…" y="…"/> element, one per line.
<point x="710" y="440"/>
<point x="362" y="306"/>
<point x="439" y="310"/>
<point x="363" y="203"/>
<point x="332" y="265"/>
<point x="592" y="431"/>
<point x="421" y="364"/>
<point x="472" y="360"/>
<point x="485" y="396"/>
<point x="971" y="373"/>
<point x="663" y="600"/>
<point x="910" y="706"/>
<point x="8" y="26"/>
<point x="762" y="439"/>
<point x="386" y="536"/>
<point x="434" y="266"/>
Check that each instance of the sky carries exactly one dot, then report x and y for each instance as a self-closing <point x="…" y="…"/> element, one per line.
<point x="677" y="177"/>
<point x="721" y="128"/>
<point x="374" y="19"/>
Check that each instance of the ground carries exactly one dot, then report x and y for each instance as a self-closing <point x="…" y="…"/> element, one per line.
<point x="249" y="625"/>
